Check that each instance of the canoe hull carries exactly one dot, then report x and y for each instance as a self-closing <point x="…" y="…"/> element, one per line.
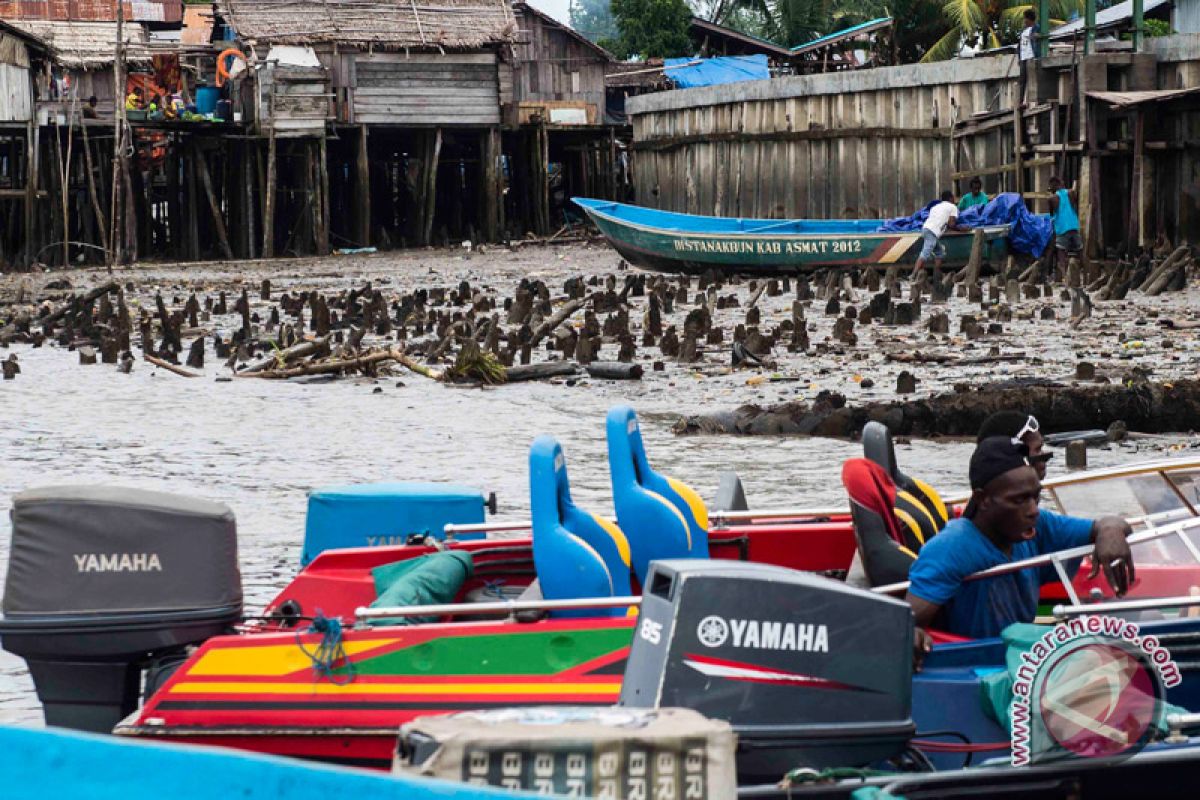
<point x="681" y="250"/>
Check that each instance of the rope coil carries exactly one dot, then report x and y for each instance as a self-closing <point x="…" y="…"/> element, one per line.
<point x="329" y="658"/>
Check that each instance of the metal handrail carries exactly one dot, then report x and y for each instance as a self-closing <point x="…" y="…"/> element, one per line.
<point x="716" y="519"/>
<point x="719" y="518"/>
<point x="499" y="606"/>
<point x="1119" y="606"/>
<point x="1150" y="535"/>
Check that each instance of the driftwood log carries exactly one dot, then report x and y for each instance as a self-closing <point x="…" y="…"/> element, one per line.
<point x="535" y="372"/>
<point x="614" y="370"/>
<point x="169" y="367"/>
<point x="280" y="358"/>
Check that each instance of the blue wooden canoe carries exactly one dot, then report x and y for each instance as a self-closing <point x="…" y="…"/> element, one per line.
<point x="55" y="764"/>
<point x="673" y="242"/>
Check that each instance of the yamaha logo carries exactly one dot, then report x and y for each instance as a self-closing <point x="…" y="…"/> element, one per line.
<point x="712" y="631"/>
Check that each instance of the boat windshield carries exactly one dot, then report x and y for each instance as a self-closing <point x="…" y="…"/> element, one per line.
<point x="1151" y="498"/>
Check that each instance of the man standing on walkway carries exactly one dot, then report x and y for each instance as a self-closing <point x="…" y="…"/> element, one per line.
<point x="1066" y="221"/>
<point x="1027" y="49"/>
<point x="942" y="216"/>
<point x="975" y="197"/>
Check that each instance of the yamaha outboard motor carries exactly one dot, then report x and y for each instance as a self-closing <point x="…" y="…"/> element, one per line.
<point x="101" y="581"/>
<point x="810" y="672"/>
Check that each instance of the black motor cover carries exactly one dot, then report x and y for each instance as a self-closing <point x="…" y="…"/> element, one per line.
<point x="101" y="579"/>
<point x="810" y="672"/>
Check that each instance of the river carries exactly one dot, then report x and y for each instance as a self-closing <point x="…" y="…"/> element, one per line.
<point x="260" y="446"/>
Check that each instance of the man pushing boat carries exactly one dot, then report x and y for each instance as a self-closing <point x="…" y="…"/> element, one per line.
<point x="1002" y="524"/>
<point x="943" y="216"/>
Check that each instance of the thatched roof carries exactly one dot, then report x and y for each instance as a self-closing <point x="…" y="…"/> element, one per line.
<point x="378" y="24"/>
<point x="86" y="45"/>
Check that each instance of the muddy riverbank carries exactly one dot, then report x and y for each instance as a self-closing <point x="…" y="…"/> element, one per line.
<point x="260" y="445"/>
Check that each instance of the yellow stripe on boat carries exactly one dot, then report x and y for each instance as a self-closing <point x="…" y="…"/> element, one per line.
<point x="269" y="660"/>
<point x="359" y="687"/>
<point x="896" y="251"/>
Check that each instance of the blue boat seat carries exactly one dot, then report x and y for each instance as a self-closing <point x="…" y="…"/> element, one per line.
<point x="662" y="517"/>
<point x="576" y="554"/>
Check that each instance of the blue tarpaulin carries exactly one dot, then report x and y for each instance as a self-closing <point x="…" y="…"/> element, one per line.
<point x="713" y="71"/>
<point x="1029" y="233"/>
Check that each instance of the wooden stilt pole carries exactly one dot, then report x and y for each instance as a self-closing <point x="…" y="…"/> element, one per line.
<point x="218" y="218"/>
<point x="250" y="174"/>
<point x="269" y="202"/>
<point x="193" y="208"/>
<point x="433" y="152"/>
<point x="322" y="196"/>
<point x="490" y="155"/>
<point x="31" y="180"/>
<point x="119" y="127"/>
<point x="362" y="186"/>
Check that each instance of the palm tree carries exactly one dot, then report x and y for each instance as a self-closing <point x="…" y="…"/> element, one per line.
<point x="987" y="24"/>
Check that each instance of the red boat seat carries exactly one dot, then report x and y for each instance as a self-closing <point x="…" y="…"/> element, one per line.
<point x="890" y="526"/>
<point x="917" y="504"/>
<point x="576" y="554"/>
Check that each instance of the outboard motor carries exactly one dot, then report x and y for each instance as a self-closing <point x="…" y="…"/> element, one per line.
<point x="810" y="672"/>
<point x="101" y="581"/>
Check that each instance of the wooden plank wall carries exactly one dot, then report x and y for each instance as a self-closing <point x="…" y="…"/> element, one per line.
<point x="878" y="152"/>
<point x="545" y="63"/>
<point x="16" y="94"/>
<point x="426" y="89"/>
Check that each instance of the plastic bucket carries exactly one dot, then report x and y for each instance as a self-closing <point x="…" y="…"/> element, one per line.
<point x="206" y="99"/>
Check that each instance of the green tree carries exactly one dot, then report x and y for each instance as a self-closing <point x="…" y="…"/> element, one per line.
<point x="651" y="28"/>
<point x="988" y="24"/>
<point x="593" y="19"/>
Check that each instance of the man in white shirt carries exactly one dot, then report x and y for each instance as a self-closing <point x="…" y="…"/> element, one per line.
<point x="942" y="217"/>
<point x="1026" y="49"/>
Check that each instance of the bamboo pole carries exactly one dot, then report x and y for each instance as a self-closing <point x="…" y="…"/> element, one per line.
<point x="101" y="221"/>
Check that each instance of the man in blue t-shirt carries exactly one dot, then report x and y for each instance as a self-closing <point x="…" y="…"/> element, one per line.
<point x="1002" y="524"/>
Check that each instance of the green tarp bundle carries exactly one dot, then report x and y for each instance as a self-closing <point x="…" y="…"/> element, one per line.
<point x="428" y="580"/>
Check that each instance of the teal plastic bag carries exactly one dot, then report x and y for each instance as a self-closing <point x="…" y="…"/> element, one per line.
<point x="428" y="580"/>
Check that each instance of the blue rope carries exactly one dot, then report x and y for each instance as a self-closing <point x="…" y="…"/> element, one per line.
<point x="330" y="652"/>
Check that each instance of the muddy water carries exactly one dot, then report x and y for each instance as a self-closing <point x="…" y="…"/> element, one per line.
<point x="260" y="446"/>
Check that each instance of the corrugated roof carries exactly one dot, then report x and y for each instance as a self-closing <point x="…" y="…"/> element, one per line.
<point x="197" y="25"/>
<point x="86" y="45"/>
<point x="1108" y="18"/>
<point x="699" y="25"/>
<point x="860" y="29"/>
<point x="92" y="10"/>
<point x="417" y="24"/>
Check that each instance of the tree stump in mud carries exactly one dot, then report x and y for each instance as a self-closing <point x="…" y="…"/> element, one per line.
<point x="195" y="356"/>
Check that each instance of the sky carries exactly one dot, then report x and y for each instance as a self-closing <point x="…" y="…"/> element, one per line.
<point x="555" y="8"/>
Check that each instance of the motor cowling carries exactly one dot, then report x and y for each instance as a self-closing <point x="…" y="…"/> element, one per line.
<point x="810" y="672"/>
<point x="103" y="580"/>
